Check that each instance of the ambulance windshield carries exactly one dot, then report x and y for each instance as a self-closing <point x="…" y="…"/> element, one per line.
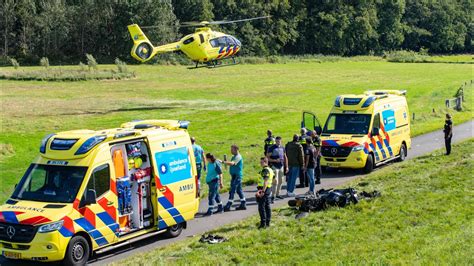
<point x="354" y="124"/>
<point x="50" y="183"/>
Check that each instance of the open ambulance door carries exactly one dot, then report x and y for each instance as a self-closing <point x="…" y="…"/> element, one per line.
<point x="310" y="122"/>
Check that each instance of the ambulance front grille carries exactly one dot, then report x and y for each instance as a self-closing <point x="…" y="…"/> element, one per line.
<point x="333" y="151"/>
<point x="17" y="233"/>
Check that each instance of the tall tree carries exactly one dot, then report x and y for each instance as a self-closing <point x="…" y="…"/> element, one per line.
<point x="7" y="12"/>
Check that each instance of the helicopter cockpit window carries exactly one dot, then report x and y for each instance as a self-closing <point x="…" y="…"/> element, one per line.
<point x="214" y="42"/>
<point x="229" y="41"/>
<point x="236" y="42"/>
<point x="201" y="37"/>
<point x="188" y="40"/>
<point x="218" y="42"/>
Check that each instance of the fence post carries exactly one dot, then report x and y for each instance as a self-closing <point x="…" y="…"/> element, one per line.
<point x="459" y="103"/>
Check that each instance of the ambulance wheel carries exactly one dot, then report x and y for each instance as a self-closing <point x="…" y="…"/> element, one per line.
<point x="77" y="252"/>
<point x="369" y="164"/>
<point x="403" y="153"/>
<point x="174" y="231"/>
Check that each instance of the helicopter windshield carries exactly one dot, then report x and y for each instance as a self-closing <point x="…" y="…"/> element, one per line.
<point x="224" y="41"/>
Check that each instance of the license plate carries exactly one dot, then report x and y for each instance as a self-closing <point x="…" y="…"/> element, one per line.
<point x="11" y="255"/>
<point x="334" y="164"/>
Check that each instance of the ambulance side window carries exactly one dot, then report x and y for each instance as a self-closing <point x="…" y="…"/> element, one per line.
<point x="100" y="180"/>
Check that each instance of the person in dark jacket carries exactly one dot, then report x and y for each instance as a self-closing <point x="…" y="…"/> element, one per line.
<point x="317" y="145"/>
<point x="448" y="133"/>
<point x="269" y="141"/>
<point x="295" y="155"/>
<point x="303" y="175"/>
<point x="310" y="163"/>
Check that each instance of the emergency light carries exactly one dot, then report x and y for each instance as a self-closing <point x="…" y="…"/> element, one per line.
<point x="89" y="144"/>
<point x="44" y="141"/>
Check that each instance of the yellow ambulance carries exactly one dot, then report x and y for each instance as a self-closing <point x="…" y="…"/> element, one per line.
<point x="363" y="131"/>
<point x="92" y="191"/>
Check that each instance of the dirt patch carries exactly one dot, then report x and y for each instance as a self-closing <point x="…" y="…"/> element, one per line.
<point x="6" y="150"/>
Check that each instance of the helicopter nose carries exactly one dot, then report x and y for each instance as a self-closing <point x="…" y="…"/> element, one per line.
<point x="237" y="42"/>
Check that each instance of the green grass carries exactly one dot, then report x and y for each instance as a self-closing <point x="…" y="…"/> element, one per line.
<point x="67" y="75"/>
<point x="225" y="105"/>
<point x="423" y="217"/>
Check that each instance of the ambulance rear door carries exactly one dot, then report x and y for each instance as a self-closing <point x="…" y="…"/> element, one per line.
<point x="175" y="181"/>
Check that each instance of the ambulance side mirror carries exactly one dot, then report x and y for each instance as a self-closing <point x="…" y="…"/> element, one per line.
<point x="90" y="198"/>
<point x="318" y="130"/>
<point x="375" y="131"/>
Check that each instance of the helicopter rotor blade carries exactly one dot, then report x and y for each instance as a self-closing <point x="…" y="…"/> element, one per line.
<point x="235" y="21"/>
<point x="150" y="27"/>
<point x="217" y="22"/>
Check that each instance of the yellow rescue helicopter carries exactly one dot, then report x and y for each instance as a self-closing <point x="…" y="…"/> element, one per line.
<point x="203" y="46"/>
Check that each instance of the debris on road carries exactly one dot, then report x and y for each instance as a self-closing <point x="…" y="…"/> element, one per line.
<point x="212" y="239"/>
<point x="325" y="198"/>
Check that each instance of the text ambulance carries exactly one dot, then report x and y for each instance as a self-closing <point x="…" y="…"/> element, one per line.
<point x="91" y="191"/>
<point x="363" y="131"/>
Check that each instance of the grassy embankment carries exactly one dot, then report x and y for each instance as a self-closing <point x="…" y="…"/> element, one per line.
<point x="225" y="105"/>
<point x="423" y="217"/>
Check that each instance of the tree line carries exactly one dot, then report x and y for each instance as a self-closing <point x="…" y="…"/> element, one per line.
<point x="65" y="30"/>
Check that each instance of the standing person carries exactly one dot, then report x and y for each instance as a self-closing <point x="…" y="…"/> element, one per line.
<point x="269" y="141"/>
<point x="200" y="161"/>
<point x="236" y="172"/>
<point x="263" y="193"/>
<point x="214" y="181"/>
<point x="448" y="133"/>
<point x="317" y="145"/>
<point x="279" y="163"/>
<point x="310" y="163"/>
<point x="302" y="174"/>
<point x="294" y="153"/>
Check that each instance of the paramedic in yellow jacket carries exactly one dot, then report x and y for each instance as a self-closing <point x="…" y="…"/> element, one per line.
<point x="263" y="194"/>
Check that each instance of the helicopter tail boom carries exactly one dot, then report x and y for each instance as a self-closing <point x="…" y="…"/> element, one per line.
<point x="142" y="49"/>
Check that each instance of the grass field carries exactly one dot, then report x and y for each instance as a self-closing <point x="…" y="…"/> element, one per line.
<point x="225" y="105"/>
<point x="423" y="217"/>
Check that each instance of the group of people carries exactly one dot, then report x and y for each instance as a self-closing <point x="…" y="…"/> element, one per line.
<point x="213" y="168"/>
<point x="299" y="158"/>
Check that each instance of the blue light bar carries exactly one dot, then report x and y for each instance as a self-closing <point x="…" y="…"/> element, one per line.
<point x="183" y="124"/>
<point x="89" y="144"/>
<point x="44" y="141"/>
<point x="337" y="103"/>
<point x="369" y="101"/>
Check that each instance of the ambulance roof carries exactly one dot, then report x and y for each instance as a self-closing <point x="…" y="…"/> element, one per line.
<point x="366" y="101"/>
<point x="78" y="143"/>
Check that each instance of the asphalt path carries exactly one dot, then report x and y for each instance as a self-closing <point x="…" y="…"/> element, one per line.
<point x="420" y="145"/>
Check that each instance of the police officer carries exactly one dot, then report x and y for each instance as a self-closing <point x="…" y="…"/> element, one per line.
<point x="317" y="145"/>
<point x="264" y="188"/>
<point x="448" y="133"/>
<point x="236" y="172"/>
<point x="269" y="141"/>
<point x="304" y="181"/>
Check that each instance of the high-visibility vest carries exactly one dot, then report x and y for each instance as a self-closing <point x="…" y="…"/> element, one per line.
<point x="266" y="171"/>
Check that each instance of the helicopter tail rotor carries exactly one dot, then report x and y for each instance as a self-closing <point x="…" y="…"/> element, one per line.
<point x="142" y="49"/>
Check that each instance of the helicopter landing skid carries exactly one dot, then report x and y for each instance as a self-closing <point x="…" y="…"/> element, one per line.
<point x="215" y="64"/>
